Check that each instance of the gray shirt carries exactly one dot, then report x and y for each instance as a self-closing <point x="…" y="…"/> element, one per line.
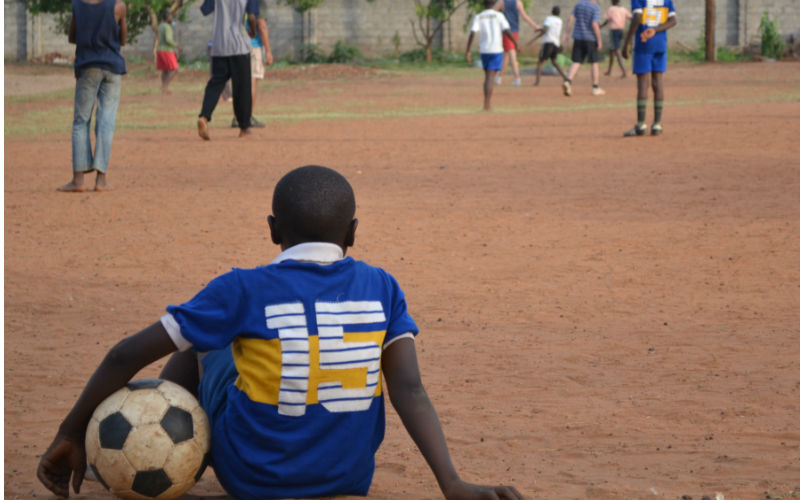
<point x="229" y="37"/>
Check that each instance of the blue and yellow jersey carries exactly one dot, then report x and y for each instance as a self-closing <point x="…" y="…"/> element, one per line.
<point x="653" y="13"/>
<point x="305" y="415"/>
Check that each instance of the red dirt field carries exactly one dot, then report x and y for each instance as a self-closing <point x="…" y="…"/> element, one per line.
<point x="600" y="317"/>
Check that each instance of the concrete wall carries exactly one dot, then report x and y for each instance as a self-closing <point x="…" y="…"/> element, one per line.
<point x="371" y="26"/>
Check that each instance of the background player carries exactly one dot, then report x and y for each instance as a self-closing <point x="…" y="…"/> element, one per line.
<point x="167" y="53"/>
<point x="300" y="413"/>
<point x="616" y="18"/>
<point x="551" y="44"/>
<point x="513" y="10"/>
<point x="651" y="20"/>
<point x="586" y="44"/>
<point x="260" y="54"/>
<point x="492" y="26"/>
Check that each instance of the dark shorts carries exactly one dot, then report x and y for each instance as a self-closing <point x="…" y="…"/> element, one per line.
<point x="616" y="39"/>
<point x="549" y="51"/>
<point x="585" y="50"/>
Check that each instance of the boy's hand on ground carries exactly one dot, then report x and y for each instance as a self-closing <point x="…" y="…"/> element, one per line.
<point x="461" y="490"/>
<point x="64" y="458"/>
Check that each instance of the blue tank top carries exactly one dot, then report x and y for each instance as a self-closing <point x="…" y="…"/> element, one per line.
<point x="97" y="43"/>
<point x="512" y="14"/>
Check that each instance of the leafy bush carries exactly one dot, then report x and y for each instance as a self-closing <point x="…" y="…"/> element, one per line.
<point x="771" y="41"/>
<point x="311" y="54"/>
<point x="343" y="53"/>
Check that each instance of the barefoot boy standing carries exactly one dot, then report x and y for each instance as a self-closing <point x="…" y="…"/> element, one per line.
<point x="491" y="25"/>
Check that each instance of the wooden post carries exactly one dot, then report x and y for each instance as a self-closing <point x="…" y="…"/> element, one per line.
<point x="711" y="46"/>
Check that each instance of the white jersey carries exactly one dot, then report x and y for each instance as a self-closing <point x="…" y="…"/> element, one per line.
<point x="491" y="24"/>
<point x="553" y="34"/>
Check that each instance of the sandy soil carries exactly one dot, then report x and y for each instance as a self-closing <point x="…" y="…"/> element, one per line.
<point x="601" y="317"/>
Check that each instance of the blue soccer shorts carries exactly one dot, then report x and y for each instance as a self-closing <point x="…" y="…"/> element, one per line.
<point x="492" y="62"/>
<point x="644" y="63"/>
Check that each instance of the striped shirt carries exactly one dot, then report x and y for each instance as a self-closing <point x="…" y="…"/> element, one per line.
<point x="586" y="12"/>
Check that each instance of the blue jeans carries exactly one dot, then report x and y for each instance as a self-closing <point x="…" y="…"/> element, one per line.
<point x="94" y="84"/>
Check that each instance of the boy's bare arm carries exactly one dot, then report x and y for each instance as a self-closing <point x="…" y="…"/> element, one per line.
<point x="71" y="32"/>
<point x="263" y="32"/>
<point x="525" y="16"/>
<point x="507" y="33"/>
<point x="415" y="409"/>
<point x="66" y="456"/>
<point x="469" y="45"/>
<point x="120" y="11"/>
<point x="637" y="19"/>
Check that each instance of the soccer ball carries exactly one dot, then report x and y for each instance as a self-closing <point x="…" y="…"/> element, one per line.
<point x="148" y="440"/>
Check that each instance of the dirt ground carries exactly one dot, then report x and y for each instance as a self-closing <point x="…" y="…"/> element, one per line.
<point x="600" y="317"/>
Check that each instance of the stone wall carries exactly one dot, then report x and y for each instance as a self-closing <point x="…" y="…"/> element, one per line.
<point x="384" y="27"/>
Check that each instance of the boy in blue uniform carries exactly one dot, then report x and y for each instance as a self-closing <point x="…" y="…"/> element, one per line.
<point x="293" y="357"/>
<point x="651" y="20"/>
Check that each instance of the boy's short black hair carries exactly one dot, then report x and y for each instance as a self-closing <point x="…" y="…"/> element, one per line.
<point x="614" y="2"/>
<point x="488" y="4"/>
<point x="556" y="10"/>
<point x="166" y="14"/>
<point x="314" y="203"/>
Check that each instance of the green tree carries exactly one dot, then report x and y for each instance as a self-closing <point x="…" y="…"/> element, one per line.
<point x="431" y="18"/>
<point x="141" y="14"/>
<point x="433" y="15"/>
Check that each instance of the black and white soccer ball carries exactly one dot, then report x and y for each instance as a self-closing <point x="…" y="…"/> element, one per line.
<point x="148" y="440"/>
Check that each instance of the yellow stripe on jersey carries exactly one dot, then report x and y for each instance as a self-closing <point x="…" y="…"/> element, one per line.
<point x="653" y="16"/>
<point x="258" y="362"/>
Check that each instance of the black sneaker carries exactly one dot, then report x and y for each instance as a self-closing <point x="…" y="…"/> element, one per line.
<point x="656" y="129"/>
<point x="636" y="130"/>
<point x="234" y="123"/>
<point x="255" y="123"/>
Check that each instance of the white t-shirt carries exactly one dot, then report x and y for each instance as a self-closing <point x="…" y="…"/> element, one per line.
<point x="553" y="25"/>
<point x="491" y="24"/>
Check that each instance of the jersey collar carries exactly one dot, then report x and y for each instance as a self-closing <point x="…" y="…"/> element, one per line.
<point x="319" y="252"/>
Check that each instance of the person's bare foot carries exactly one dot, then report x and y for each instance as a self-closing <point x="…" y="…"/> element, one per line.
<point x="624" y="75"/>
<point x="103" y="187"/>
<point x="202" y="128"/>
<point x="72" y="188"/>
<point x="245" y="132"/>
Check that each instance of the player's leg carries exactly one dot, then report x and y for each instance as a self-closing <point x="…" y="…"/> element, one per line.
<point x="488" y="88"/>
<point x="658" y="102"/>
<point x="642" y="64"/>
<point x="167" y="78"/>
<point x="512" y="55"/>
<point x="87" y="83"/>
<point x="578" y="56"/>
<point x="242" y="93"/>
<point x="220" y="73"/>
<point x="107" y="103"/>
<point x="538" y="71"/>
<point x="183" y="369"/>
<point x="594" y="59"/>
<point x="554" y="62"/>
<point x="621" y="62"/>
<point x="257" y="73"/>
<point x="610" y="62"/>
